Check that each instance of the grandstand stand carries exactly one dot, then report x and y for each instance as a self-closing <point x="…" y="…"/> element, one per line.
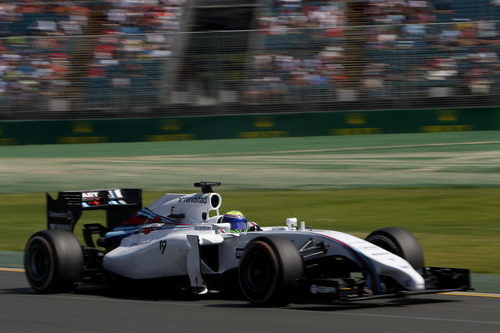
<point x="37" y="51"/>
<point x="299" y="51"/>
<point x="133" y="48"/>
<point x="101" y="58"/>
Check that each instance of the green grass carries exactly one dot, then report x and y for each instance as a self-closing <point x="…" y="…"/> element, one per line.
<point x="444" y="187"/>
<point x="457" y="227"/>
<point x="312" y="163"/>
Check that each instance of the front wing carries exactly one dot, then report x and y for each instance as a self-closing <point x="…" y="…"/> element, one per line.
<point x="437" y="280"/>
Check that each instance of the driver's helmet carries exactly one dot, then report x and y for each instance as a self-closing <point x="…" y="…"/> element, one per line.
<point x="237" y="220"/>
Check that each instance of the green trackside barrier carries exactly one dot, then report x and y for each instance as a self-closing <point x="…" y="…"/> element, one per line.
<point x="248" y="126"/>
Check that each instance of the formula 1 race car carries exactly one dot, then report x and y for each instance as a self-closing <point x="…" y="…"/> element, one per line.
<point x="183" y="241"/>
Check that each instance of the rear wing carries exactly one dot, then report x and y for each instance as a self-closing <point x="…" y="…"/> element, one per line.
<point x="119" y="204"/>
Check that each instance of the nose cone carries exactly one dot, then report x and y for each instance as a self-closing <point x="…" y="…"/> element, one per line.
<point x="415" y="282"/>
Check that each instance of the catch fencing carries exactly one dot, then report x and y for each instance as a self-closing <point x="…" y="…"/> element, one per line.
<point x="282" y="69"/>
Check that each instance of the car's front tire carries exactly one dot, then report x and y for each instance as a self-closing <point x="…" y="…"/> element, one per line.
<point x="401" y="242"/>
<point x="53" y="261"/>
<point x="269" y="271"/>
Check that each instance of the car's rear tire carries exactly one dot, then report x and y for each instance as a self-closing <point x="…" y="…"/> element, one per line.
<point x="269" y="271"/>
<point x="400" y="242"/>
<point x="53" y="261"/>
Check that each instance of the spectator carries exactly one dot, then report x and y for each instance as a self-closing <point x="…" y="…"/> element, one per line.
<point x="301" y="54"/>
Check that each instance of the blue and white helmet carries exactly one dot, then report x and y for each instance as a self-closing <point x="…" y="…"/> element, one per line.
<point x="237" y="220"/>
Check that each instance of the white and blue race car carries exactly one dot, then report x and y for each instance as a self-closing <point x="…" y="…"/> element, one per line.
<point x="183" y="241"/>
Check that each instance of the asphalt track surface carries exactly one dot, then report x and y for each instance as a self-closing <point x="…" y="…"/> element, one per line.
<point x="98" y="310"/>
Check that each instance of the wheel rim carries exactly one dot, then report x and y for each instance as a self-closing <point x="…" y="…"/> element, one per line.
<point x="258" y="273"/>
<point x="39" y="263"/>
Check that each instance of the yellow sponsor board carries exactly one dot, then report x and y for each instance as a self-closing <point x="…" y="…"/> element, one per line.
<point x="355" y="119"/>
<point x="81" y="139"/>
<point x="263" y="134"/>
<point x="446" y="128"/>
<point x="8" y="142"/>
<point x="83" y="127"/>
<point x="447" y="115"/>
<point x="171" y="125"/>
<point x="170" y="137"/>
<point x="263" y="122"/>
<point x="355" y="131"/>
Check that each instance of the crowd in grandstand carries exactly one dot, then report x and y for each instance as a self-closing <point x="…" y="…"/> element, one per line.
<point x="53" y="50"/>
<point x="448" y="56"/>
<point x="117" y="43"/>
<point x="34" y="65"/>
<point x="303" y="45"/>
<point x="434" y="48"/>
<point x="133" y="44"/>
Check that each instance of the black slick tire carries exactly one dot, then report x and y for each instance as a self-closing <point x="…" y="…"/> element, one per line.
<point x="53" y="261"/>
<point x="400" y="242"/>
<point x="269" y="271"/>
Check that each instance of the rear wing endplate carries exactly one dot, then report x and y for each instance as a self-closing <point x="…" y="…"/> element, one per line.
<point x="119" y="204"/>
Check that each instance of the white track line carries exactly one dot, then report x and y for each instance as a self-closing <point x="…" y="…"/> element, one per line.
<point x="471" y="294"/>
<point x="9" y="269"/>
